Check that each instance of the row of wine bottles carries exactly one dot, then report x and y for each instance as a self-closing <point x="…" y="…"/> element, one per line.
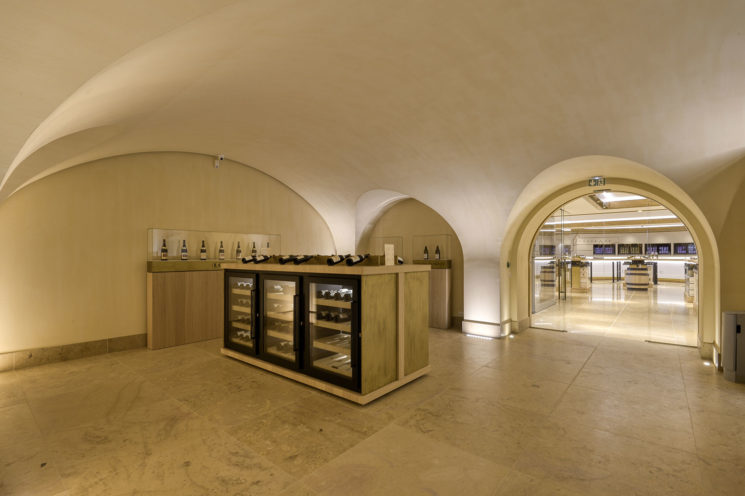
<point x="220" y="251"/>
<point x="437" y="253"/>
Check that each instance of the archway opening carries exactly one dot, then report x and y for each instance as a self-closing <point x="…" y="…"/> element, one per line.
<point x="615" y="263"/>
<point x="575" y="177"/>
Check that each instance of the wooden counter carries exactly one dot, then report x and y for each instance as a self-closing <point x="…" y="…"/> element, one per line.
<point x="394" y="326"/>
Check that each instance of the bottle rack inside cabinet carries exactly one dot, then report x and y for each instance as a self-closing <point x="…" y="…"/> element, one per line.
<point x="331" y="338"/>
<point x="240" y="325"/>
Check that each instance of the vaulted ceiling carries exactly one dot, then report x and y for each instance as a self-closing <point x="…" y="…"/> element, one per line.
<point x="458" y="104"/>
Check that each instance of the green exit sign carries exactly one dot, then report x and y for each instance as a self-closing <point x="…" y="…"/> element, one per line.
<point x="596" y="181"/>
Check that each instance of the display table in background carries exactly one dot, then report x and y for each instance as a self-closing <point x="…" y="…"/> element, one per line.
<point x="440" y="284"/>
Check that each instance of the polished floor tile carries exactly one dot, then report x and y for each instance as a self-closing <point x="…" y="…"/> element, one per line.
<point x="658" y="314"/>
<point x="540" y="413"/>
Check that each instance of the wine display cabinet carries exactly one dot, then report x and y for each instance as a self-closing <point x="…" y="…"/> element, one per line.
<point x="333" y="330"/>
<point x="280" y="320"/>
<point x="240" y="313"/>
<point x="355" y="332"/>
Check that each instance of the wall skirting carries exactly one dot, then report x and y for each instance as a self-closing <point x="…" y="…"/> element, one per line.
<point x="488" y="329"/>
<point x="17" y="360"/>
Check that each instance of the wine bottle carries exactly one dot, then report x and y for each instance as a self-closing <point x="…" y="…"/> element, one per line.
<point x="238" y="251"/>
<point x="426" y="253"/>
<point x="354" y="260"/>
<point x="221" y="252"/>
<point x="246" y="260"/>
<point x="164" y="251"/>
<point x="437" y="252"/>
<point x="335" y="259"/>
<point x="261" y="258"/>
<point x="342" y="317"/>
<point x="203" y="252"/>
<point x="399" y="260"/>
<point x="286" y="258"/>
<point x="253" y="249"/>
<point x="184" y="252"/>
<point x="302" y="259"/>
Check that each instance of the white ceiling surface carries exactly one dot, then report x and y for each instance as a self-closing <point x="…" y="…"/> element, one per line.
<point x="457" y="104"/>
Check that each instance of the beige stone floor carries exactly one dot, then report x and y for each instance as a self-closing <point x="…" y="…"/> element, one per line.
<point x="543" y="413"/>
<point x="659" y="314"/>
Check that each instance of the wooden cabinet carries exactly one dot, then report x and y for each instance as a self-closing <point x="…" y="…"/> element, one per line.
<point x="392" y="322"/>
<point x="183" y="307"/>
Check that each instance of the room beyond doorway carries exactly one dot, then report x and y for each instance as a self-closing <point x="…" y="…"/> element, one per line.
<point x="616" y="264"/>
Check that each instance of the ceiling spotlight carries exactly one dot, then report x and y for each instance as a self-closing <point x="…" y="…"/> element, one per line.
<point x="218" y="160"/>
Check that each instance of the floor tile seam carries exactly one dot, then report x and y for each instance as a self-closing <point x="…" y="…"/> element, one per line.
<point x="647" y="441"/>
<point x="690" y="413"/>
<point x="574" y="379"/>
<point x="592" y="389"/>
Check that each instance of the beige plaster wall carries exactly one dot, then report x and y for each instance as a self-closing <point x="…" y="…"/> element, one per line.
<point x="722" y="198"/>
<point x="72" y="256"/>
<point x="409" y="218"/>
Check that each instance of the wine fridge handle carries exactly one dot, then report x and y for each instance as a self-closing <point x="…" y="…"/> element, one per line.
<point x="296" y="317"/>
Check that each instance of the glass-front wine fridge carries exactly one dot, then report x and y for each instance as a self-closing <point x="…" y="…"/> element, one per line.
<point x="332" y="351"/>
<point x="240" y="313"/>
<point x="280" y="304"/>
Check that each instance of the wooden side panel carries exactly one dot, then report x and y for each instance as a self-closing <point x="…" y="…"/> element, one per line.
<point x="168" y="317"/>
<point x="378" y="327"/>
<point x="203" y="306"/>
<point x="439" y="298"/>
<point x="416" y="321"/>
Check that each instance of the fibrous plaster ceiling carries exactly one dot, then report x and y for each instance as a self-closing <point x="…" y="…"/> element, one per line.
<point x="455" y="104"/>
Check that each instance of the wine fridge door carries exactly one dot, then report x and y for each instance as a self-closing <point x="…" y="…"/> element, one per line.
<point x="280" y="304"/>
<point x="333" y="330"/>
<point x="240" y="313"/>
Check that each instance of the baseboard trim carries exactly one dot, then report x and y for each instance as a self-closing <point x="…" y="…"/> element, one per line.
<point x="488" y="329"/>
<point x="23" y="359"/>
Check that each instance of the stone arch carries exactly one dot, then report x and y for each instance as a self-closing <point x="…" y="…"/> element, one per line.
<point x="568" y="180"/>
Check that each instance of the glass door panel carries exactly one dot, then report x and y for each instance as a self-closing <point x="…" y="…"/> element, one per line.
<point x="241" y="325"/>
<point x="280" y="308"/>
<point x="332" y="326"/>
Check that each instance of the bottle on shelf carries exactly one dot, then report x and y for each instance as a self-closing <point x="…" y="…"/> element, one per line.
<point x="426" y="253"/>
<point x="354" y="260"/>
<point x="203" y="252"/>
<point x="437" y="252"/>
<point x="261" y="258"/>
<point x="335" y="259"/>
<point x="221" y="252"/>
<point x="164" y="251"/>
<point x="302" y="259"/>
<point x="253" y="249"/>
<point x="184" y="251"/>
<point x="250" y="259"/>
<point x="238" y="251"/>
<point x="283" y="259"/>
<point x="400" y="260"/>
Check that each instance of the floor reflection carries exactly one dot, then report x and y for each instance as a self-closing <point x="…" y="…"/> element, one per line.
<point x="659" y="314"/>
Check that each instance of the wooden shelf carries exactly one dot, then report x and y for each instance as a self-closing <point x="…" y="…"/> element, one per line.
<point x="280" y="296"/>
<point x="281" y="316"/>
<point x="240" y="308"/>
<point x="241" y="325"/>
<point x="244" y="342"/>
<point x="245" y="292"/>
<point x="287" y="355"/>
<point x="338" y="343"/>
<point x="279" y="334"/>
<point x="337" y="326"/>
<point x="333" y="303"/>
<point x="338" y="364"/>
